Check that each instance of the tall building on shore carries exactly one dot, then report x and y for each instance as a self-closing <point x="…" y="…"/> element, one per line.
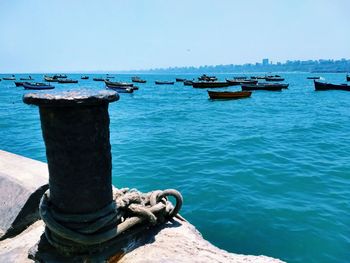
<point x="265" y="61"/>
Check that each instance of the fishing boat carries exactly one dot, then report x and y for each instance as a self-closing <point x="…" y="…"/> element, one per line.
<point x="329" y="86"/>
<point x="265" y="86"/>
<point x="121" y="89"/>
<point x="235" y="82"/>
<point x="347" y="78"/>
<point x="274" y="78"/>
<point x="50" y="79"/>
<point x="207" y="78"/>
<point x="188" y="82"/>
<point x="225" y="95"/>
<point x="313" y="77"/>
<point x="19" y="84"/>
<point x="37" y="86"/>
<point x="98" y="79"/>
<point x="118" y="84"/>
<point x="84" y="77"/>
<point x="179" y="80"/>
<point x="67" y="81"/>
<point x="10" y="78"/>
<point x="29" y="78"/>
<point x="138" y="80"/>
<point x="210" y="84"/>
<point x="158" y="82"/>
<point x="60" y="76"/>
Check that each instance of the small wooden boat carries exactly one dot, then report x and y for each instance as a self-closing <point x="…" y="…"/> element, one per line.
<point x="235" y="82"/>
<point x="121" y="89"/>
<point x="67" y="81"/>
<point x="347" y="78"/>
<point x="9" y="78"/>
<point x="60" y="76"/>
<point x="84" y="77"/>
<point x="19" y="84"/>
<point x="207" y="78"/>
<point x="180" y="80"/>
<point x="37" y="86"/>
<point x="313" y="77"/>
<point x="138" y="80"/>
<point x="50" y="79"/>
<point x="188" y="82"/>
<point x="274" y="78"/>
<point x="210" y="84"/>
<point x="225" y="95"/>
<point x="118" y="84"/>
<point x="98" y="79"/>
<point x="265" y="86"/>
<point x="329" y="86"/>
<point x="158" y="82"/>
<point x="29" y="78"/>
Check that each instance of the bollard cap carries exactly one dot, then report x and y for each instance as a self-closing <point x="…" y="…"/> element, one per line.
<point x="70" y="98"/>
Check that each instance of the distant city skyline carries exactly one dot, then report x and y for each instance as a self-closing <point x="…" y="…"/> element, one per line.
<point x="116" y="35"/>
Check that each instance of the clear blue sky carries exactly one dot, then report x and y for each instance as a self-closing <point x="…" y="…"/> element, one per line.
<point x="62" y="35"/>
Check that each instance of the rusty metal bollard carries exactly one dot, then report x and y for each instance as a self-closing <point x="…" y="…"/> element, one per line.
<point x="75" y="127"/>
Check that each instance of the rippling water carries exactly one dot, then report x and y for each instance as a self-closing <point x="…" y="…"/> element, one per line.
<point x="265" y="175"/>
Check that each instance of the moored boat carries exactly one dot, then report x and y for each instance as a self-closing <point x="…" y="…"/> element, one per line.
<point x="10" y="78"/>
<point x="29" y="78"/>
<point x="50" y="79"/>
<point x="98" y="79"/>
<point x="274" y="78"/>
<point x="19" y="84"/>
<point x="210" y="84"/>
<point x="60" y="76"/>
<point x="159" y="82"/>
<point x="235" y="82"/>
<point x="37" y="86"/>
<point x="347" y="78"/>
<point x="313" y="77"/>
<point x="188" y="82"/>
<point x="204" y="77"/>
<point x="265" y="86"/>
<point x="118" y="84"/>
<point x="67" y="81"/>
<point x="84" y="77"/>
<point x="121" y="89"/>
<point x="319" y="86"/>
<point x="138" y="80"/>
<point x="179" y="80"/>
<point x="224" y="95"/>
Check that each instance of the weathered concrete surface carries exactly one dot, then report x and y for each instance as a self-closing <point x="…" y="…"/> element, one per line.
<point x="22" y="183"/>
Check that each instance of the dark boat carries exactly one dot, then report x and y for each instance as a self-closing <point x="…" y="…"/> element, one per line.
<point x="265" y="86"/>
<point x="67" y="81"/>
<point x="158" y="82"/>
<point x="329" y="86"/>
<point x="347" y="78"/>
<point x="180" y="80"/>
<point x="118" y="84"/>
<point x="19" y="84"/>
<point x="84" y="77"/>
<point x="60" y="76"/>
<point x="274" y="78"/>
<point x="37" y="86"/>
<point x="138" y="80"/>
<point x="29" y="78"/>
<point x="50" y="79"/>
<point x="207" y="78"/>
<point x="188" y="82"/>
<point x="210" y="84"/>
<point x="313" y="77"/>
<point x="226" y="95"/>
<point x="10" y="78"/>
<point x="121" y="89"/>
<point x="98" y="79"/>
<point x="235" y="82"/>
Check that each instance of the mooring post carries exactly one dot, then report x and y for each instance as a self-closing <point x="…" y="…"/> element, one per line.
<point x="75" y="127"/>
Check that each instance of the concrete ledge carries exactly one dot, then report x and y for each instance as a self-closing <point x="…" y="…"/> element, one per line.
<point x="22" y="183"/>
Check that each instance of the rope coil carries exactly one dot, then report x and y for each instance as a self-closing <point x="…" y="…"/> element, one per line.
<point x="79" y="232"/>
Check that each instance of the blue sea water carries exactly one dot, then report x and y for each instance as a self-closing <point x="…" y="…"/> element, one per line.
<point x="265" y="175"/>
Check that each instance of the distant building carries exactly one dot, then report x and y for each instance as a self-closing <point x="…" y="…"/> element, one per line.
<point x="265" y="61"/>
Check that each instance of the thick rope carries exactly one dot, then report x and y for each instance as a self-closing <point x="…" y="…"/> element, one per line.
<point x="73" y="232"/>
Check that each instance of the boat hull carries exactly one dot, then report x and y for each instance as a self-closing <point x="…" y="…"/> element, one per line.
<point x="164" y="82"/>
<point x="320" y="86"/>
<point x="37" y="87"/>
<point x="229" y="95"/>
<point x="122" y="89"/>
<point x="204" y="85"/>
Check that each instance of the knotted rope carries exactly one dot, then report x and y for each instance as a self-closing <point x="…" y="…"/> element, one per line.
<point x="85" y="232"/>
